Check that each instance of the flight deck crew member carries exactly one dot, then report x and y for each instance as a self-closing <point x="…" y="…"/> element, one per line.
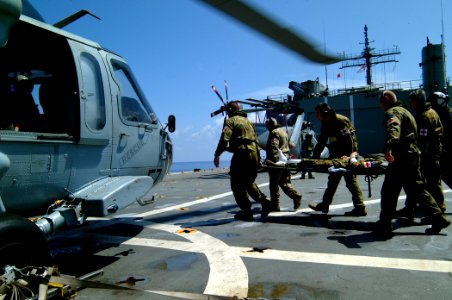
<point x="403" y="155"/>
<point x="341" y="133"/>
<point x="430" y="133"/>
<point x="239" y="137"/>
<point x="439" y="103"/>
<point x="279" y="140"/>
<point x="307" y="145"/>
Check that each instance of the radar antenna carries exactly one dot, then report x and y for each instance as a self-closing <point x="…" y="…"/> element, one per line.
<point x="368" y="58"/>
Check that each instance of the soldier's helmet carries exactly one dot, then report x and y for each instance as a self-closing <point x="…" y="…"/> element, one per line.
<point x="439" y="99"/>
<point x="325" y="110"/>
<point x="418" y="96"/>
<point x="232" y="107"/>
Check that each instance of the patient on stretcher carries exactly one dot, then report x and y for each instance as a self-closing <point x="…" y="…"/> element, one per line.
<point x="372" y="164"/>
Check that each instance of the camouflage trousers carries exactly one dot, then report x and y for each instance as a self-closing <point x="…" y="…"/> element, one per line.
<point x="405" y="173"/>
<point x="243" y="172"/>
<point x="281" y="178"/>
<point x="350" y="182"/>
<point x="322" y="165"/>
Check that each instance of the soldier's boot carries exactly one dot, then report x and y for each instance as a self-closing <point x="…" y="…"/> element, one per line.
<point x="244" y="216"/>
<point x="359" y="211"/>
<point x="321" y="206"/>
<point x="438" y="224"/>
<point x="297" y="202"/>
<point x="405" y="213"/>
<point x="266" y="208"/>
<point x="274" y="205"/>
<point x="383" y="228"/>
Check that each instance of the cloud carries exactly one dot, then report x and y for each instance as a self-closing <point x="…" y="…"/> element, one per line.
<point x="182" y="130"/>
<point x="269" y="91"/>
<point x="206" y="132"/>
<point x="196" y="143"/>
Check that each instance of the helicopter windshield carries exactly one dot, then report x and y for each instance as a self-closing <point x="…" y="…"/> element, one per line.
<point x="133" y="108"/>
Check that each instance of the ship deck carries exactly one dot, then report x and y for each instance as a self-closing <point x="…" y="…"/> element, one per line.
<point x="186" y="245"/>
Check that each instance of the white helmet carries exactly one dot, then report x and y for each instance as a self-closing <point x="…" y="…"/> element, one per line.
<point x="440" y="99"/>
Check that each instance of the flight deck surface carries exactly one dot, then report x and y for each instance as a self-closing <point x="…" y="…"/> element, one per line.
<point x="186" y="244"/>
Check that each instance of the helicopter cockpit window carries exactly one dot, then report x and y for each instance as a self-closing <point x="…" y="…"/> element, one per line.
<point x="131" y="107"/>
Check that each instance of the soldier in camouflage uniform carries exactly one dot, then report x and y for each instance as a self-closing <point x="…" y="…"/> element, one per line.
<point x="403" y="155"/>
<point x="430" y="133"/>
<point x="439" y="103"/>
<point x="279" y="140"/>
<point x="239" y="137"/>
<point x="339" y="130"/>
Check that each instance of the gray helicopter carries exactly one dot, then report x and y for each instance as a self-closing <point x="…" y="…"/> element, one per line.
<point x="77" y="136"/>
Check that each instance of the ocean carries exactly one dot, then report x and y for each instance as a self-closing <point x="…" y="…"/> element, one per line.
<point x="192" y="165"/>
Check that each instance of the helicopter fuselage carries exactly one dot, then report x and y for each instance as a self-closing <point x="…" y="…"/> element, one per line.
<point x="74" y="125"/>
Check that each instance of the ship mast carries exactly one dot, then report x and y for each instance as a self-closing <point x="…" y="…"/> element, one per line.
<point x="369" y="57"/>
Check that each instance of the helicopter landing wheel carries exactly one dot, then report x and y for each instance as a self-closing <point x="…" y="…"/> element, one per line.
<point x="22" y="243"/>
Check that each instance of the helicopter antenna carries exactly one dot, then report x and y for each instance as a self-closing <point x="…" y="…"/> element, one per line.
<point x="73" y="18"/>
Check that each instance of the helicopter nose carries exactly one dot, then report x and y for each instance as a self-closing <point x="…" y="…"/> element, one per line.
<point x="4" y="164"/>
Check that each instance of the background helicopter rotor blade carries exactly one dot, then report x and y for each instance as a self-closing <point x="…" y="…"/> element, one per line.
<point x="259" y="22"/>
<point x="252" y="110"/>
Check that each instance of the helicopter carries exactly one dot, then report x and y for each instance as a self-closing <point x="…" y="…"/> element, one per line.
<point x="286" y="113"/>
<point x="77" y="136"/>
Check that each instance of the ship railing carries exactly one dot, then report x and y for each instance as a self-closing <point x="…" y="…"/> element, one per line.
<point x="404" y="85"/>
<point x="399" y="85"/>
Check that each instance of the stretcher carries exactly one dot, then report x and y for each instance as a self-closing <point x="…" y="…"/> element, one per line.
<point x="371" y="166"/>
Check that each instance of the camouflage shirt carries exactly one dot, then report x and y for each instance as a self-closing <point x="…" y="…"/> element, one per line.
<point x="238" y="134"/>
<point x="401" y="130"/>
<point x="341" y="134"/>
<point x="430" y="132"/>
<point x="277" y="139"/>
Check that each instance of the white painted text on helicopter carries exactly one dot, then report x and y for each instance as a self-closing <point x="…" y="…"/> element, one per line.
<point x="132" y="152"/>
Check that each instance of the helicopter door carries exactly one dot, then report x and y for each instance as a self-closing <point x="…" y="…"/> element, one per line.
<point x="136" y="130"/>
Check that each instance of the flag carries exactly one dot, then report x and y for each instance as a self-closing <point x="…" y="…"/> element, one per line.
<point x="362" y="68"/>
<point x="338" y="75"/>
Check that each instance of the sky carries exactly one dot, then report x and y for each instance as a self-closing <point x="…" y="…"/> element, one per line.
<point x="177" y="49"/>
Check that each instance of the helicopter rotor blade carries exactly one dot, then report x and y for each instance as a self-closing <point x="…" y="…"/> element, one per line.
<point x="256" y="20"/>
<point x="218" y="111"/>
<point x="252" y="110"/>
